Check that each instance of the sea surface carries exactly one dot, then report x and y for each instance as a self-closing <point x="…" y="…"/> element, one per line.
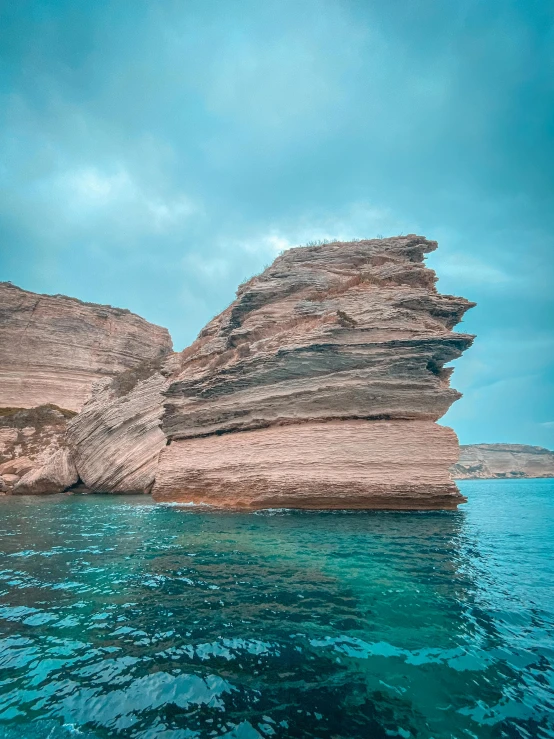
<point x="120" y="618"/>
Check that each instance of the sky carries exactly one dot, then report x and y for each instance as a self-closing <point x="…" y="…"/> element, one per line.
<point x="154" y="154"/>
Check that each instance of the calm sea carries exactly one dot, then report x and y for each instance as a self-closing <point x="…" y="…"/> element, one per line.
<point x="119" y="618"/>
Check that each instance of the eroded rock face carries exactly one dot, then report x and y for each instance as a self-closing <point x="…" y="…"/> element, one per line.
<point x="57" y="474"/>
<point x="52" y="348"/>
<point x="28" y="438"/>
<point x="351" y="330"/>
<point x="488" y="461"/>
<point x="331" y="358"/>
<point x="319" y="387"/>
<point x="332" y="465"/>
<point x="116" y="439"/>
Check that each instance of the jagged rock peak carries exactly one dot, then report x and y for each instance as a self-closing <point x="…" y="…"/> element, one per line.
<point x="340" y="330"/>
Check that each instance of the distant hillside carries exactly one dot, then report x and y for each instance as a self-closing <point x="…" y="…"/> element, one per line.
<point x="503" y="461"/>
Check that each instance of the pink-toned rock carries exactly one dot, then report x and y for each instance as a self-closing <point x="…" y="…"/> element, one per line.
<point x="10" y="479"/>
<point x="339" y="464"/>
<point x="18" y="466"/>
<point x="55" y="476"/>
<point x="319" y="387"/>
<point x="48" y="424"/>
<point x="116" y="439"/>
<point x="52" y="348"/>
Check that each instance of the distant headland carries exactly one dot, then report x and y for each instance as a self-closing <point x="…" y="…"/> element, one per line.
<point x="501" y="461"/>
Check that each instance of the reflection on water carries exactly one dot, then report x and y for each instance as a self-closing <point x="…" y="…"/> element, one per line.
<point x="119" y="618"/>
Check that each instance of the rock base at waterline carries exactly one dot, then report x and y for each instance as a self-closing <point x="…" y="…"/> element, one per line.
<point x="341" y="464"/>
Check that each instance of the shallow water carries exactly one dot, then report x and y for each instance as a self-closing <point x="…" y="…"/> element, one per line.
<point x="119" y="618"/>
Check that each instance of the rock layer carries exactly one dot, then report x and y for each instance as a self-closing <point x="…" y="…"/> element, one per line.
<point x="334" y="356"/>
<point x="52" y="348"/>
<point x="488" y="461"/>
<point x="337" y="331"/>
<point x="116" y="439"/>
<point x="339" y="464"/>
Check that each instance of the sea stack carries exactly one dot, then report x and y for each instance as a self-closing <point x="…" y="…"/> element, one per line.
<point x="319" y="387"/>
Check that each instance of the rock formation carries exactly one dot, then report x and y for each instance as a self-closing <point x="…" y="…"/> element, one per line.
<point x="29" y="437"/>
<point x="503" y="461"/>
<point x="52" y="349"/>
<point x="333" y="464"/>
<point x="116" y="439"/>
<point x="320" y="387"/>
<point x="58" y="473"/>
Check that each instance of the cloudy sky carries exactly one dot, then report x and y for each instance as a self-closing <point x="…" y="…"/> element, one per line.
<point x="153" y="154"/>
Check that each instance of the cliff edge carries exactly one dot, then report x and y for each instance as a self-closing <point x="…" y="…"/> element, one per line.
<point x="52" y="347"/>
<point x="52" y="350"/>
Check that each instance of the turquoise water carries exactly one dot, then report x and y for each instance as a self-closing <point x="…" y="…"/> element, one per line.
<point x="119" y="618"/>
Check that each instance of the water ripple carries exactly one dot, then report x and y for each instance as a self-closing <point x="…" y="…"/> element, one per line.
<point x="119" y="618"/>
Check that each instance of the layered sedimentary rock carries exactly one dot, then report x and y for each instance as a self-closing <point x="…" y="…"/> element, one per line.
<point x="338" y="464"/>
<point x="116" y="439"/>
<point x="29" y="437"/>
<point x="503" y="461"/>
<point x="319" y="387"/>
<point x="322" y="382"/>
<point x="52" y="348"/>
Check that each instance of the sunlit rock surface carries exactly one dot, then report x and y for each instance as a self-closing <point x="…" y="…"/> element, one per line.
<point x="311" y="359"/>
<point x="503" y="460"/>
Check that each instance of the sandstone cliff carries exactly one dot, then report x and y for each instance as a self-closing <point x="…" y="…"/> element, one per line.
<point x="503" y="461"/>
<point x="52" y="348"/>
<point x="320" y="387"/>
